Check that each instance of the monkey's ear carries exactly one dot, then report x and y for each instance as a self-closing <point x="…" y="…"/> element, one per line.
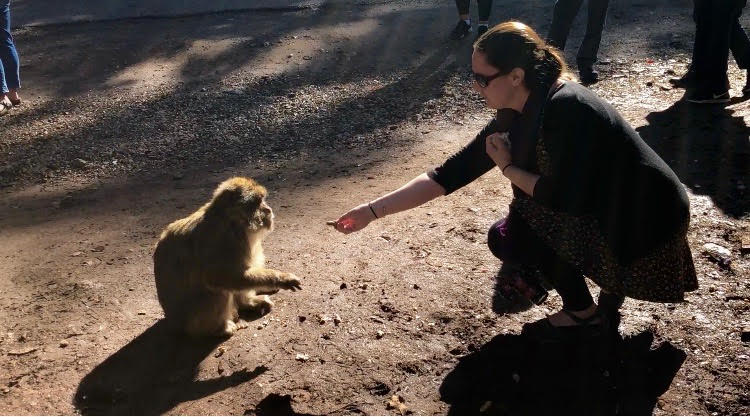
<point x="226" y="198"/>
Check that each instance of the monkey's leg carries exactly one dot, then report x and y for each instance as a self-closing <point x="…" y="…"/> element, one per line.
<point x="212" y="314"/>
<point x="248" y="300"/>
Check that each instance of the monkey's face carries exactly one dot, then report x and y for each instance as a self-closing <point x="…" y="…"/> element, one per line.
<point x="265" y="216"/>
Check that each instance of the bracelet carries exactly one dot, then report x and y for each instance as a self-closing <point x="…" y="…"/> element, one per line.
<point x="506" y="167"/>
<point x="372" y="210"/>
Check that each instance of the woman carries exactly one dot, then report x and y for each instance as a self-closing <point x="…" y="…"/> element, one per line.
<point x="590" y="197"/>
<point x="9" y="66"/>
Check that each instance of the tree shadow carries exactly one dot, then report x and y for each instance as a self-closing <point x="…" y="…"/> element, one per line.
<point x="515" y="375"/>
<point x="152" y="374"/>
<point x="708" y="149"/>
<point x="189" y="129"/>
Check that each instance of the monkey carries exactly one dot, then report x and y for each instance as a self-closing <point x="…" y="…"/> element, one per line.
<point x="209" y="265"/>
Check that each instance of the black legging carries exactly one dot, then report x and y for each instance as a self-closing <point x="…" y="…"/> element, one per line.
<point x="513" y="241"/>
<point x="485" y="6"/>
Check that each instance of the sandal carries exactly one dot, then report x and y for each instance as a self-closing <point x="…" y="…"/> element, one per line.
<point x="544" y="330"/>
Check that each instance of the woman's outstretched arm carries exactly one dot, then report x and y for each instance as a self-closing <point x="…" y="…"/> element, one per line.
<point x="412" y="194"/>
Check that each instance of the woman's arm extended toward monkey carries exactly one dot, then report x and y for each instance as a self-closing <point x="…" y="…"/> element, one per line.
<point x="412" y="194"/>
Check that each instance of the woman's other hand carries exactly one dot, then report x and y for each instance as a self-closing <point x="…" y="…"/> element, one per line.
<point x="498" y="148"/>
<point x="354" y="220"/>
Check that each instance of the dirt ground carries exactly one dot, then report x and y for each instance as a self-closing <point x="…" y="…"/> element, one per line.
<point x="130" y="124"/>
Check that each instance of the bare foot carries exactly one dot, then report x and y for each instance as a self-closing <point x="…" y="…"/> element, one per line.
<point x="562" y="318"/>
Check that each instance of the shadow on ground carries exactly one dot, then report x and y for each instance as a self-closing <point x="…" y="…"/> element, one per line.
<point x="707" y="148"/>
<point x="151" y="375"/>
<point x="515" y="375"/>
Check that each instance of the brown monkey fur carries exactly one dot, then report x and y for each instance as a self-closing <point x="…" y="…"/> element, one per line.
<point x="210" y="264"/>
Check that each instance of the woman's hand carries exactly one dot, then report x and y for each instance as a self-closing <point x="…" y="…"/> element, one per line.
<point x="498" y="148"/>
<point x="354" y="220"/>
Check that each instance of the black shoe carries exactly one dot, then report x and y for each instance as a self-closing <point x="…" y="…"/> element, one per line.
<point x="461" y="30"/>
<point x="588" y="75"/>
<point x="708" y="96"/>
<point x="686" y="81"/>
<point x="481" y="29"/>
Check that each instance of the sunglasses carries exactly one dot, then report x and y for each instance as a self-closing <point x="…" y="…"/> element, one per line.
<point x="484" y="80"/>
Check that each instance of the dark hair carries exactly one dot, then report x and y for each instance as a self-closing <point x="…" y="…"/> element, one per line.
<point x="515" y="45"/>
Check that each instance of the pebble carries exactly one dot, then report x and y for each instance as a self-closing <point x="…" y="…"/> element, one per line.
<point x="380" y="334"/>
<point x="302" y="357"/>
<point x="64" y="343"/>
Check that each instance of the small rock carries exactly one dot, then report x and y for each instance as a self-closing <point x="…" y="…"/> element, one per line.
<point x="302" y="357"/>
<point x="718" y="253"/>
<point x="379" y="334"/>
<point x="220" y="351"/>
<point x="98" y="249"/>
<point x="323" y="319"/>
<point x="745" y="244"/>
<point x="77" y="253"/>
<point x="473" y="209"/>
<point x="141" y="313"/>
<point x="397" y="402"/>
<point x="290" y="56"/>
<point x="336" y="319"/>
<point x="307" y="58"/>
<point x="64" y="343"/>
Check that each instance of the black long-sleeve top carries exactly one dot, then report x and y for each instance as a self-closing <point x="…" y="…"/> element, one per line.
<point x="598" y="165"/>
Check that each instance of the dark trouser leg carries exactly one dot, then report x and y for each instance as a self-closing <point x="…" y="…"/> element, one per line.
<point x="462" y="6"/>
<point x="740" y="45"/>
<point x="712" y="37"/>
<point x="485" y="7"/>
<point x="511" y="240"/>
<point x="597" y="14"/>
<point x="562" y="18"/>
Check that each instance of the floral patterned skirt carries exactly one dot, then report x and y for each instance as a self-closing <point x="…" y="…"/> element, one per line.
<point x="663" y="275"/>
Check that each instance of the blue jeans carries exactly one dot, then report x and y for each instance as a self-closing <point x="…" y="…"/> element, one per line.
<point x="9" y="66"/>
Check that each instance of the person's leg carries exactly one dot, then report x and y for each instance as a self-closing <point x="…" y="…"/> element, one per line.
<point x="587" y="53"/>
<point x="712" y="83"/>
<point x="9" y="67"/>
<point x="563" y="15"/>
<point x="463" y="9"/>
<point x="511" y="240"/>
<point x="687" y="80"/>
<point x="485" y="8"/>
<point x="463" y="27"/>
<point x="739" y="44"/>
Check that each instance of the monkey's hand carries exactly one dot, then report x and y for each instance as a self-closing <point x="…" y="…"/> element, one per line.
<point x="290" y="282"/>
